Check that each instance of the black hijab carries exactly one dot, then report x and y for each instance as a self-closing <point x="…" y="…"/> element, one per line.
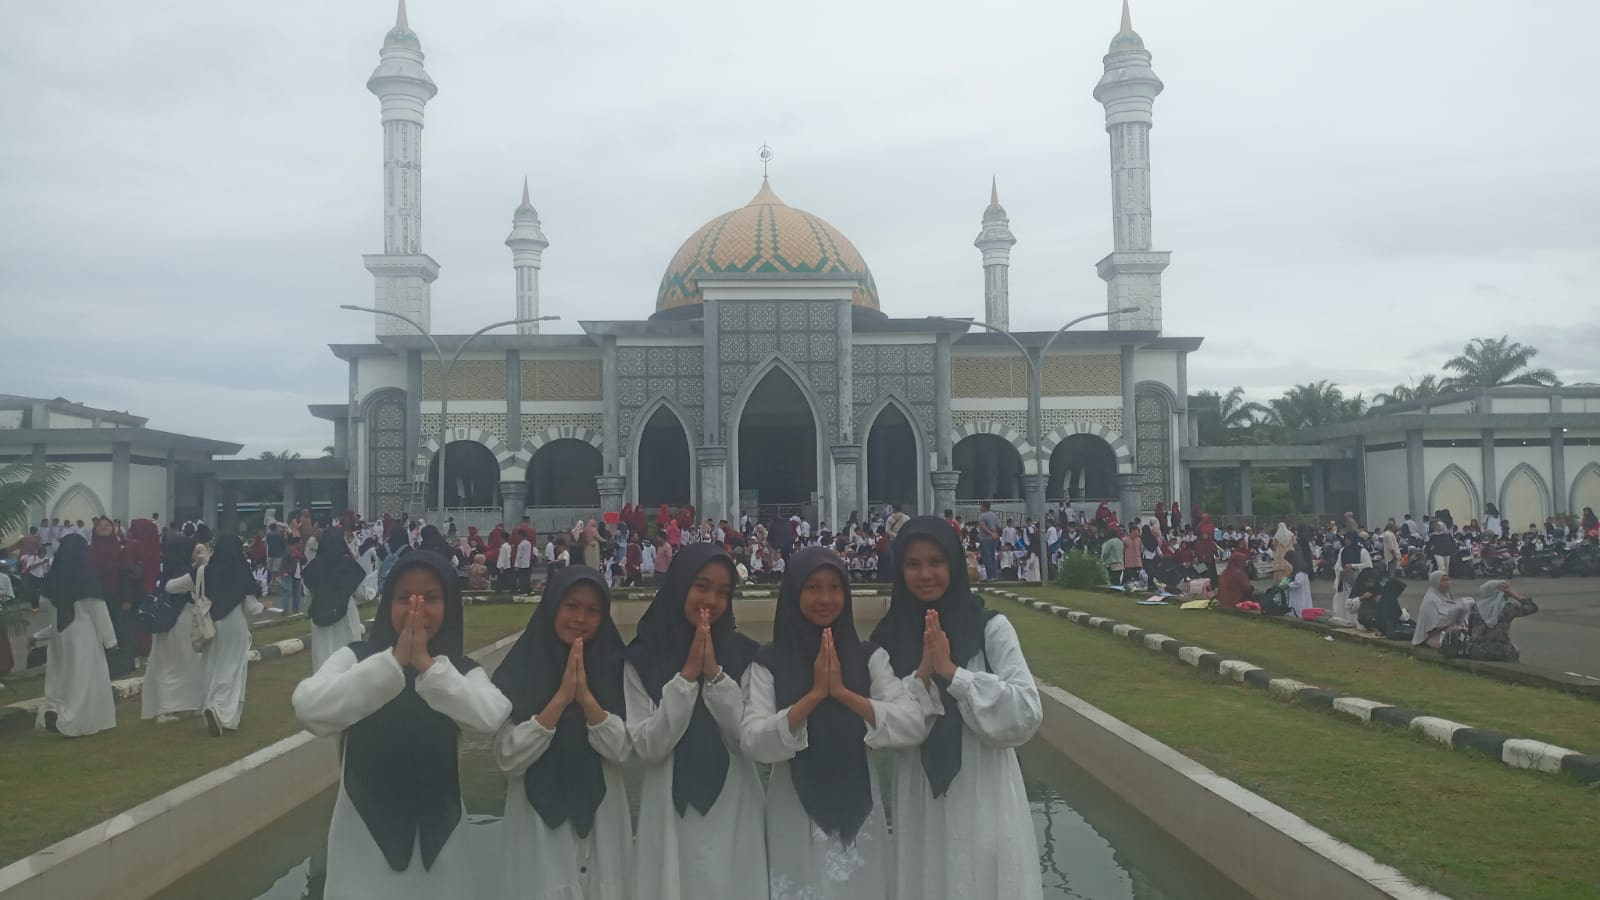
<point x="432" y="541"/>
<point x="963" y="618"/>
<point x="664" y="636"/>
<point x="831" y="775"/>
<point x="228" y="577"/>
<point x="400" y="763"/>
<point x="568" y="782"/>
<point x="331" y="578"/>
<point x="71" y="579"/>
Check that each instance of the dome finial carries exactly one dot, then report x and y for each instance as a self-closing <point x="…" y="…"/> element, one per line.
<point x="1127" y="19"/>
<point x="765" y="155"/>
<point x="994" y="191"/>
<point x="525" y="200"/>
<point x="400" y="23"/>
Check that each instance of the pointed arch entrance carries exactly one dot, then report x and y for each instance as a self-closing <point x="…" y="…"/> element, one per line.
<point x="663" y="460"/>
<point x="1082" y="467"/>
<point x="562" y="474"/>
<point x="472" y="476"/>
<point x="990" y="466"/>
<point x="894" y="473"/>
<point x="775" y="439"/>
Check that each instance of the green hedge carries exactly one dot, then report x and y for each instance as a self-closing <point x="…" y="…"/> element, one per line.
<point x="1080" y="570"/>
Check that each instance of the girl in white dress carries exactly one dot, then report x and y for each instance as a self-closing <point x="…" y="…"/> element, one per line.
<point x="232" y="588"/>
<point x="701" y="806"/>
<point x="566" y="834"/>
<point x="77" y="682"/>
<point x="337" y="582"/>
<point x="963" y="830"/>
<point x="399" y="700"/>
<point x="816" y="699"/>
<point x="174" y="677"/>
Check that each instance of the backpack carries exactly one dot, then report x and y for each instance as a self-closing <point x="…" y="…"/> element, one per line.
<point x="1275" y="602"/>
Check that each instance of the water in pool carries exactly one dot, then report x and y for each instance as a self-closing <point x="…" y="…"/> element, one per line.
<point x="1091" y="844"/>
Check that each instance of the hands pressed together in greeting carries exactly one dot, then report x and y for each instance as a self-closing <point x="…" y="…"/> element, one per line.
<point x="827" y="683"/>
<point x="702" y="659"/>
<point x="935" y="650"/>
<point x="411" y="649"/>
<point x="574" y="689"/>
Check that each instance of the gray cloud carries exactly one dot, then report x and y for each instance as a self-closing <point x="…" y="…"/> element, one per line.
<point x="1350" y="191"/>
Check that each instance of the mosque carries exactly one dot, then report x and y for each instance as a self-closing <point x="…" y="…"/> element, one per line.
<point x="771" y="375"/>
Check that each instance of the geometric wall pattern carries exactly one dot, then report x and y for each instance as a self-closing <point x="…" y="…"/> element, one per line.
<point x="901" y="370"/>
<point x="1050" y="419"/>
<point x="804" y="333"/>
<point x="645" y="373"/>
<point x="560" y="379"/>
<point x="470" y="379"/>
<point x="387" y="484"/>
<point x="1097" y="375"/>
<point x="1153" y="442"/>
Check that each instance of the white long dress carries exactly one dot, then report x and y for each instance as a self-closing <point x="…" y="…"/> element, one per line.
<point x="721" y="853"/>
<point x="227" y="664"/>
<point x="77" y="681"/>
<point x="327" y="639"/>
<point x="543" y="863"/>
<point x="977" y="841"/>
<point x="174" y="675"/>
<point x="342" y="693"/>
<point x="804" y="862"/>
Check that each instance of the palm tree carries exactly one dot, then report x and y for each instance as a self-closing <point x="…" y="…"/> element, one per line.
<point x="286" y="454"/>
<point x="1237" y="412"/>
<point x="1492" y="362"/>
<point x="1428" y="386"/>
<point x="328" y="450"/>
<point x="21" y="489"/>
<point x="1314" y="404"/>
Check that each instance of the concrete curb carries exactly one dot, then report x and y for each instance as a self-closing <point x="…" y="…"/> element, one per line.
<point x="1510" y="750"/>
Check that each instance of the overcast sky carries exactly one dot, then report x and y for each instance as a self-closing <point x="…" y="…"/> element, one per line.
<point x="1350" y="190"/>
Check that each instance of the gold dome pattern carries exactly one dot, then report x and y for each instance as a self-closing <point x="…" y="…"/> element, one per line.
<point x="764" y="236"/>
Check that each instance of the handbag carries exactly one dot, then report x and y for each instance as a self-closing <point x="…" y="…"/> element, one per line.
<point x="202" y="631"/>
<point x="157" y="614"/>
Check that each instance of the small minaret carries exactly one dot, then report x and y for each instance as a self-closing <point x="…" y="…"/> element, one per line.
<point x="996" y="240"/>
<point x="402" y="272"/>
<point x="1132" y="271"/>
<point x="527" y="245"/>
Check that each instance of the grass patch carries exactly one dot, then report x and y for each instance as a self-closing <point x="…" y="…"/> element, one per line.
<point x="55" y="787"/>
<point x="1467" y="827"/>
<point x="1373" y="672"/>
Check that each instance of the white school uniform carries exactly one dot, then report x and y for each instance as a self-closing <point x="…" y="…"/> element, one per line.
<point x="977" y="841"/>
<point x="327" y="639"/>
<point x="227" y="664"/>
<point x="803" y="862"/>
<point x="77" y="681"/>
<point x="543" y="863"/>
<point x="722" y="853"/>
<point x="174" y="675"/>
<point x="342" y="693"/>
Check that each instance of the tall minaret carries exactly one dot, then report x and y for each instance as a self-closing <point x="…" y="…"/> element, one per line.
<point x="402" y="272"/>
<point x="995" y="240"/>
<point x="527" y="245"/>
<point x="1132" y="271"/>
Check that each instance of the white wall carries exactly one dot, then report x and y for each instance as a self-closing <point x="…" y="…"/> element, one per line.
<point x="96" y="476"/>
<point x="375" y="372"/>
<point x="1156" y="365"/>
<point x="1577" y="458"/>
<point x="1520" y="404"/>
<point x="147" y="492"/>
<point x="1386" y="486"/>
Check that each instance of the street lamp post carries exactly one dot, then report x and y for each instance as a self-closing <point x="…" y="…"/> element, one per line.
<point x="445" y="367"/>
<point x="1036" y="500"/>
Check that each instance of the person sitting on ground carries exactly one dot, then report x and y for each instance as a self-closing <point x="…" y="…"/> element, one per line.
<point x="1362" y="604"/>
<point x="1440" y="612"/>
<point x="1234" y="585"/>
<point x="1489" y="623"/>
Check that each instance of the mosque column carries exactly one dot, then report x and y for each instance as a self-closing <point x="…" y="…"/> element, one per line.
<point x="1416" y="488"/>
<point x="1319" y="487"/>
<point x="120" y="458"/>
<point x="611" y="488"/>
<point x="846" y="482"/>
<point x="513" y="502"/>
<point x="1128" y="486"/>
<point x="610" y="433"/>
<point x="514" y="400"/>
<point x="208" y="500"/>
<point x="40" y="463"/>
<point x="944" y="476"/>
<point x="1246" y="489"/>
<point x="713" y="465"/>
<point x="1558" y="473"/>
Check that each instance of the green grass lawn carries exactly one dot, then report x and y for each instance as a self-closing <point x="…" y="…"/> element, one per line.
<point x="1372" y="672"/>
<point x="55" y="787"/>
<point x="1465" y="826"/>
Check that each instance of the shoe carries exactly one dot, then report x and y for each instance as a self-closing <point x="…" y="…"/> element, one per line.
<point x="50" y="722"/>
<point x="213" y="722"/>
<point x="166" y="718"/>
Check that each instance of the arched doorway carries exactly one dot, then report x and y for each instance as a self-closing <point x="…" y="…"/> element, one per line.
<point x="1523" y="498"/>
<point x="562" y="473"/>
<point x="777" y="444"/>
<point x="991" y="468"/>
<point x="472" y="476"/>
<point x="1082" y="467"/>
<point x="892" y="471"/>
<point x="663" y="461"/>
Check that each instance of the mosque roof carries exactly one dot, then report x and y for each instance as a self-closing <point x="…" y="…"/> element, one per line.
<point x="765" y="236"/>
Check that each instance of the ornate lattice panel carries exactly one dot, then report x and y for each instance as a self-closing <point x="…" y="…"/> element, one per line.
<point x="490" y="423"/>
<point x="645" y="373"/>
<point x="533" y="423"/>
<point x="901" y="370"/>
<point x="804" y="333"/>
<point x="470" y="379"/>
<point x="1153" y="447"/>
<point x="1098" y="375"/>
<point x="561" y="379"/>
<point x="387" y="486"/>
<point x="1050" y="419"/>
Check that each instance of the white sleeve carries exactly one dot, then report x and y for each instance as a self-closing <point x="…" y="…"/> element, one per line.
<point x="899" y="720"/>
<point x="344" y="691"/>
<point x="100" y="616"/>
<point x="655" y="729"/>
<point x="471" y="700"/>
<point x="764" y="734"/>
<point x="1002" y="708"/>
<point x="181" y="585"/>
<point x="252" y="605"/>
<point x="725" y="700"/>
<point x="45" y="633"/>
<point x="519" y="745"/>
<point x="609" y="738"/>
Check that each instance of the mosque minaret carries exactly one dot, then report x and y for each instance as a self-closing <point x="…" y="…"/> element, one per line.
<point x="996" y="240"/>
<point x="527" y="243"/>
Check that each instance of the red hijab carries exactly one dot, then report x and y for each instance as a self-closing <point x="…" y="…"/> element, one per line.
<point x="144" y="550"/>
<point x="1234" y="583"/>
<point x="105" y="558"/>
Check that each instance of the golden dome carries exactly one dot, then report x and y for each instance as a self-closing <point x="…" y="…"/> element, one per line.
<point x="764" y="236"/>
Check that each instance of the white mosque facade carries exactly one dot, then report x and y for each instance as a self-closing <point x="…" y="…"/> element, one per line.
<point x="768" y="377"/>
